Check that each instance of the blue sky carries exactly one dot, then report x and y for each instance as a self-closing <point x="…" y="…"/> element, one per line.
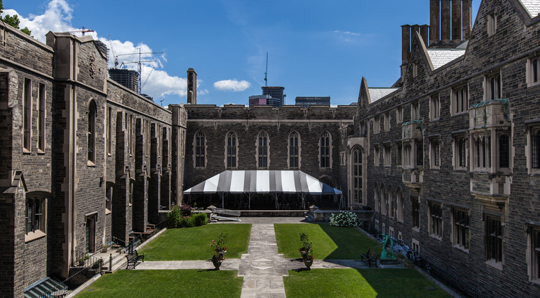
<point x="316" y="48"/>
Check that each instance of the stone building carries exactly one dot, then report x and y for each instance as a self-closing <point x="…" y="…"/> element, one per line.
<point x="449" y="156"/>
<point x="84" y="160"/>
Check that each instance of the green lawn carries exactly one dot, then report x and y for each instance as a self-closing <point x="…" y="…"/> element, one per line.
<point x="166" y="283"/>
<point x="364" y="283"/>
<point x="329" y="242"/>
<point x="194" y="243"/>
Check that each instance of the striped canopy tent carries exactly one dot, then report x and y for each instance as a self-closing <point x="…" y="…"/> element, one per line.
<point x="263" y="182"/>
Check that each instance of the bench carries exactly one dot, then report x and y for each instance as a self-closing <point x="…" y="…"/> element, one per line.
<point x="227" y="212"/>
<point x="371" y="257"/>
<point x="133" y="259"/>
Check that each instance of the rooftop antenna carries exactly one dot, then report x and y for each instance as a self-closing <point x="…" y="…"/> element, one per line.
<point x="266" y="72"/>
<point x="161" y="101"/>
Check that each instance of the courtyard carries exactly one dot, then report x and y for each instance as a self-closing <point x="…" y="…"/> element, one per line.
<point x="262" y="260"/>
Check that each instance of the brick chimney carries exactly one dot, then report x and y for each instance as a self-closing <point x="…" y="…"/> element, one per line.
<point x="191" y="86"/>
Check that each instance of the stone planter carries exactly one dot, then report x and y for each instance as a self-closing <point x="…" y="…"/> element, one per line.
<point x="217" y="263"/>
<point x="304" y="253"/>
<point x="308" y="264"/>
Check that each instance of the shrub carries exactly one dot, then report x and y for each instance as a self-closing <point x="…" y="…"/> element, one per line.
<point x="186" y="209"/>
<point x="344" y="219"/>
<point x="186" y="222"/>
<point x="200" y="219"/>
<point x="174" y="217"/>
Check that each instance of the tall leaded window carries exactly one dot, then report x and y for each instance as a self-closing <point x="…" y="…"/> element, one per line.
<point x="419" y="153"/>
<point x="41" y="118"/>
<point x="415" y="212"/>
<point x="461" y="99"/>
<point x="461" y="235"/>
<point x="357" y="175"/>
<point x="325" y="150"/>
<point x="262" y="150"/>
<point x="231" y="150"/>
<point x="35" y="217"/>
<point x="92" y="131"/>
<point x="200" y="150"/>
<point x="494" y="87"/>
<point x="483" y="152"/>
<point x="494" y="237"/>
<point x="435" y="212"/>
<point x="504" y="151"/>
<point x="294" y="150"/>
<point x="435" y="153"/>
<point x="535" y="253"/>
<point x="27" y="116"/>
<point x="461" y="152"/>
<point x="536" y="149"/>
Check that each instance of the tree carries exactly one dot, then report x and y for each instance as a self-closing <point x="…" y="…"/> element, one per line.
<point x="12" y="20"/>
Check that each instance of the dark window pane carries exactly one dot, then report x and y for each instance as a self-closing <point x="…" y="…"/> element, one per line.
<point x="504" y="151"/>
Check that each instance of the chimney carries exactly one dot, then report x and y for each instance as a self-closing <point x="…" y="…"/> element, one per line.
<point x="434" y="9"/>
<point x="424" y="33"/>
<point x="467" y="19"/>
<point x="445" y="21"/>
<point x="456" y="21"/>
<point x="405" y="43"/>
<point x="415" y="28"/>
<point x="191" y="86"/>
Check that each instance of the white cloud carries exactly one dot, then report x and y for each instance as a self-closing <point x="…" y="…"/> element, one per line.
<point x="232" y="85"/>
<point x="57" y="18"/>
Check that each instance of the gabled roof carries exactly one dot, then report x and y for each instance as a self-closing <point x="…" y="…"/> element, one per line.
<point x="378" y="93"/>
<point x="440" y="57"/>
<point x="532" y="7"/>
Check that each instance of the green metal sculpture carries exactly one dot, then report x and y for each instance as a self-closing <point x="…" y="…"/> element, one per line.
<point x="387" y="241"/>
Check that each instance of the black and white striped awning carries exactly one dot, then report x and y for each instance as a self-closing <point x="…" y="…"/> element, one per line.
<point x="263" y="182"/>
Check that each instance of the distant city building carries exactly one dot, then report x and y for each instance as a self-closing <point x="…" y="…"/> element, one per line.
<point x="258" y="100"/>
<point x="126" y="77"/>
<point x="312" y="101"/>
<point x="276" y="93"/>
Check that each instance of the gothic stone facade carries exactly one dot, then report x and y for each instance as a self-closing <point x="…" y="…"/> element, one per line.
<point x="83" y="159"/>
<point x="452" y="153"/>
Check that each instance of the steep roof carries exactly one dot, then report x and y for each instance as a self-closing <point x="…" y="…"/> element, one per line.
<point x="440" y="57"/>
<point x="532" y="7"/>
<point x="378" y="93"/>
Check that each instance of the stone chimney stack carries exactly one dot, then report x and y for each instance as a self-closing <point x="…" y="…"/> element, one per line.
<point x="456" y="21"/>
<point x="405" y="47"/>
<point x="445" y="21"/>
<point x="424" y="33"/>
<point x="191" y="86"/>
<point x="434" y="10"/>
<point x="467" y="19"/>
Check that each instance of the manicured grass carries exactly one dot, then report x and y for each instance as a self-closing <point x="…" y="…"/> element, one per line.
<point x="364" y="283"/>
<point x="194" y="243"/>
<point x="166" y="283"/>
<point x="329" y="242"/>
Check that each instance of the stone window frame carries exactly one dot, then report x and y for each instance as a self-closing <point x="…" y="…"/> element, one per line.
<point x="415" y="110"/>
<point x="435" y="145"/>
<point x="419" y="153"/>
<point x="533" y="71"/>
<point x="399" y="154"/>
<point x="416" y="246"/>
<point x="414" y="70"/>
<point x="400" y="236"/>
<point x="384" y="200"/>
<point x="533" y="252"/>
<point x="42" y="116"/>
<point x="376" y="156"/>
<point x="294" y="149"/>
<point x="460" y="151"/>
<point x="377" y="199"/>
<point x="491" y="23"/>
<point x="91" y="132"/>
<point x="357" y="174"/>
<point x="391" y="232"/>
<point x="461" y="230"/>
<point x="387" y="155"/>
<point x="532" y="148"/>
<point x="109" y="192"/>
<point x="407" y="155"/>
<point x="343" y="158"/>
<point x="493" y="86"/>
<point x="387" y="120"/>
<point x="130" y="134"/>
<point x="399" y="115"/>
<point x="27" y="115"/>
<point x="325" y="150"/>
<point x="494" y="240"/>
<point x="376" y="125"/>
<point x="109" y="130"/>
<point x="199" y="161"/>
<point x="435" y="107"/>
<point x="32" y="231"/>
<point x="262" y="147"/>
<point x="399" y="206"/>
<point x="415" y="212"/>
<point x="435" y="219"/>
<point x="460" y="100"/>
<point x="390" y="204"/>
<point x="377" y="224"/>
<point x="504" y="162"/>
<point x="480" y="147"/>
<point x="231" y="150"/>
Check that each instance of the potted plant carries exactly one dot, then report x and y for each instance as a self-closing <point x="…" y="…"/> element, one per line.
<point x="83" y="259"/>
<point x="306" y="245"/>
<point x="104" y="248"/>
<point x="220" y="249"/>
<point x="308" y="260"/>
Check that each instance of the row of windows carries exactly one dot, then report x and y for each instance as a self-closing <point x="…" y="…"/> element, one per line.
<point x="262" y="150"/>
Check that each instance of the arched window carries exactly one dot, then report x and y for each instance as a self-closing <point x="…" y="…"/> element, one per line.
<point x="200" y="150"/>
<point x="231" y="150"/>
<point x="294" y="150"/>
<point x="357" y="175"/>
<point x="262" y="150"/>
<point x="325" y="150"/>
<point x="92" y="132"/>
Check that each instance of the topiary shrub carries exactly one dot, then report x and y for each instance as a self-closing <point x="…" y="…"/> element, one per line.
<point x="344" y="219"/>
<point x="200" y="219"/>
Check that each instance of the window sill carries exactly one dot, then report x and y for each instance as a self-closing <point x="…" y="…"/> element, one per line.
<point x="535" y="282"/>
<point x="495" y="264"/>
<point x="533" y="85"/>
<point x="90" y="164"/>
<point x="107" y="211"/>
<point x="460" y="170"/>
<point x="40" y="152"/>
<point x="388" y="166"/>
<point x="461" y="248"/>
<point x="437" y="168"/>
<point x="26" y="151"/>
<point x="435" y="120"/>
<point x="416" y="229"/>
<point x="34" y="235"/>
<point x="534" y="173"/>
<point x="109" y="154"/>
<point x="130" y="205"/>
<point x="461" y="114"/>
<point x="438" y="238"/>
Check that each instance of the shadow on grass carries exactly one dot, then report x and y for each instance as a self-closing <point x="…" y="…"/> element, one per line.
<point x="401" y="283"/>
<point x="350" y="242"/>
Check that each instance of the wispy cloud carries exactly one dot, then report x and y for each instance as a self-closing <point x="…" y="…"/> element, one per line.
<point x="349" y="36"/>
<point x="156" y="81"/>
<point x="232" y="85"/>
